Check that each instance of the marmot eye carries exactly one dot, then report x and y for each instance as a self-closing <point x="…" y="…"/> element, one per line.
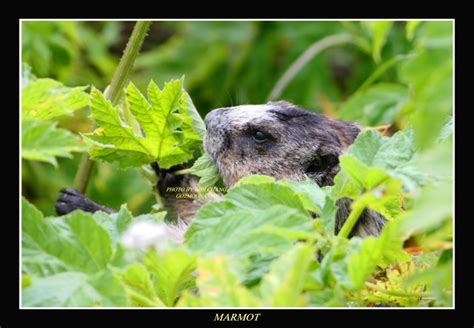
<point x="260" y="136"/>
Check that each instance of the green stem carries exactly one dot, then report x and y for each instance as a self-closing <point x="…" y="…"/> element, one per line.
<point x="184" y="171"/>
<point x="379" y="71"/>
<point x="119" y="80"/>
<point x="149" y="174"/>
<point x="83" y="173"/>
<point x="398" y="293"/>
<point x="304" y="58"/>
<point x="356" y="211"/>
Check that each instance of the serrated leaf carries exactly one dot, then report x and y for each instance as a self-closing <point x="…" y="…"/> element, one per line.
<point x="75" y="289"/>
<point x="283" y="285"/>
<point x="255" y="217"/>
<point x="43" y="141"/>
<point x="69" y="258"/>
<point x="115" y="224"/>
<point x="172" y="273"/>
<point x="192" y="121"/>
<point x="218" y="286"/>
<point x="139" y="286"/>
<point x="373" y="159"/>
<point x="373" y="251"/>
<point x="316" y="199"/>
<point x="116" y="141"/>
<point x="165" y="121"/>
<point x="45" y="99"/>
<point x="74" y="242"/>
<point x="205" y="168"/>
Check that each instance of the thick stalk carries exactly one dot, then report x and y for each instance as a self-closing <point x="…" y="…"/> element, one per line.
<point x="119" y="80"/>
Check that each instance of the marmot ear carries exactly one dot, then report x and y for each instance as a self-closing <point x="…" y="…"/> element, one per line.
<point x="346" y="131"/>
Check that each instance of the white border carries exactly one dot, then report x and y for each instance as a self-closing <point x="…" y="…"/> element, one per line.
<point x="238" y="308"/>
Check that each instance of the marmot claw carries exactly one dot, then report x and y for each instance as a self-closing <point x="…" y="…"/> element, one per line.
<point x="71" y="199"/>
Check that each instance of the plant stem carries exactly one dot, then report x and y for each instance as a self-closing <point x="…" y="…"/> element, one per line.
<point x="83" y="173"/>
<point x="356" y="211"/>
<point x="380" y="70"/>
<point x="119" y="80"/>
<point x="184" y="171"/>
<point x="396" y="292"/>
<point x="304" y="58"/>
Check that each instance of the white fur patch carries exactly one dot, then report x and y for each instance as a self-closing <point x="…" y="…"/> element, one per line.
<point x="243" y="114"/>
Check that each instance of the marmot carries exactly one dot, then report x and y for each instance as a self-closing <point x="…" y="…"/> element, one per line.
<point x="277" y="139"/>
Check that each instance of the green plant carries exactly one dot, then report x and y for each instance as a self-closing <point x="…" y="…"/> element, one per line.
<point x="258" y="246"/>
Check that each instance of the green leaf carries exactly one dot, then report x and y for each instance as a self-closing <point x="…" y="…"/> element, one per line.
<point x="436" y="35"/>
<point x="432" y="207"/>
<point x="379" y="104"/>
<point x="429" y="73"/>
<point x="218" y="285"/>
<point x="437" y="161"/>
<point x="411" y="28"/>
<point x="115" y="224"/>
<point x="139" y="286"/>
<point x="205" y="168"/>
<point x="232" y="226"/>
<point x="74" y="242"/>
<point x="43" y="141"/>
<point x="379" y="31"/>
<point x="257" y="216"/>
<point x="75" y="289"/>
<point x="167" y="119"/>
<point x="172" y="273"/>
<point x="326" y="298"/>
<point x="372" y="159"/>
<point x="114" y="140"/>
<point x="349" y="263"/>
<point x="432" y="93"/>
<point x="26" y="280"/>
<point x="283" y="285"/>
<point x="192" y="121"/>
<point x="45" y="99"/>
<point x="69" y="258"/>
<point x="316" y="199"/>
<point x="373" y="251"/>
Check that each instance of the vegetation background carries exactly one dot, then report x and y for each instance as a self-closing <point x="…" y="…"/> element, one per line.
<point x="388" y="76"/>
<point x="224" y="63"/>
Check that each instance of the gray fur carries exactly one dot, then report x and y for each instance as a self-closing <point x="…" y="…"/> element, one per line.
<point x="300" y="144"/>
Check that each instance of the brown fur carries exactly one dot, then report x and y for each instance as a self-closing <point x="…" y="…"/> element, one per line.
<point x="297" y="144"/>
<point x="300" y="144"/>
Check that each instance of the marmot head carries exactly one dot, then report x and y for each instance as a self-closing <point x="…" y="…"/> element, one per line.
<point x="276" y="139"/>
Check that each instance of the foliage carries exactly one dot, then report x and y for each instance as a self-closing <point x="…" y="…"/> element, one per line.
<point x="43" y="100"/>
<point x="260" y="245"/>
<point x="170" y="133"/>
